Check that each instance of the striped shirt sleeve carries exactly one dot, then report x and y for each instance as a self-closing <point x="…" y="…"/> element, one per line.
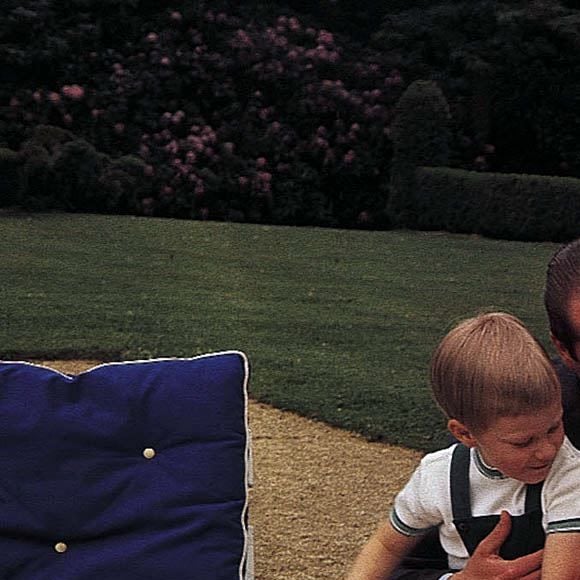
<point x="562" y="492"/>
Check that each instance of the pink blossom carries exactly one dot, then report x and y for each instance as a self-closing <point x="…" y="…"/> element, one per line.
<point x="242" y="40"/>
<point x="74" y="92"/>
<point x="349" y="157"/>
<point x="480" y="162"/>
<point x="221" y="18"/>
<point x="364" y="217"/>
<point x="489" y="149"/>
<point x="67" y="119"/>
<point x="325" y="37"/>
<point x="37" y="96"/>
<point x="394" y="79"/>
<point x="281" y="42"/>
<point x="329" y="157"/>
<point x="294" y="24"/>
<point x="54" y="97"/>
<point x="261" y="162"/>
<point x="119" y="128"/>
<point x="149" y="171"/>
<point x="243" y="181"/>
<point x="176" y="16"/>
<point x="152" y="37"/>
<point x="165" y="61"/>
<point x="172" y="147"/>
<point x="147" y="205"/>
<point x="275" y="127"/>
<point x="177" y="117"/>
<point x="321" y="143"/>
<point x="190" y="156"/>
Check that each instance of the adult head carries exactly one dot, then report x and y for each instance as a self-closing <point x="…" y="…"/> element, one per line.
<point x="562" y="302"/>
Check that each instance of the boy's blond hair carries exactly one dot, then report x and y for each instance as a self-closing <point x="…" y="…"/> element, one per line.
<point x="491" y="366"/>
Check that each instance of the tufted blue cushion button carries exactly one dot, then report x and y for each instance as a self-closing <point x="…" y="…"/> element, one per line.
<point x="60" y="547"/>
<point x="149" y="453"/>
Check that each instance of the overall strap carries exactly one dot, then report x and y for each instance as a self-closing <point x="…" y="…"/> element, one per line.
<point x="459" y="482"/>
<point x="534" y="497"/>
<point x="459" y="485"/>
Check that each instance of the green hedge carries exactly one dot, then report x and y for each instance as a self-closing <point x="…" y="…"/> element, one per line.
<point x="498" y="205"/>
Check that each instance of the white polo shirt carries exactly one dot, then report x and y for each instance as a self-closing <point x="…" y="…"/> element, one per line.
<point x="425" y="501"/>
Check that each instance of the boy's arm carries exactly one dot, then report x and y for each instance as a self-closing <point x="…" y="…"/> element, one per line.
<point x="561" y="556"/>
<point x="381" y="554"/>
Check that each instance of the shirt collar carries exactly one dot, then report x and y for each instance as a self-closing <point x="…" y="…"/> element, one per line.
<point x="485" y="469"/>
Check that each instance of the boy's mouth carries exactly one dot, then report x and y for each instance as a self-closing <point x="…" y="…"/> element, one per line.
<point x="541" y="467"/>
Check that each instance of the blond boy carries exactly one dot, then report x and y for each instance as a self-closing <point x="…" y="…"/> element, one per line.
<point x="501" y="396"/>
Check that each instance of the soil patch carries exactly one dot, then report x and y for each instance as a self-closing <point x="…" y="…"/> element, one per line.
<point x="318" y="493"/>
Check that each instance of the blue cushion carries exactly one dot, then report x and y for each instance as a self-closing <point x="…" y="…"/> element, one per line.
<point x="129" y="471"/>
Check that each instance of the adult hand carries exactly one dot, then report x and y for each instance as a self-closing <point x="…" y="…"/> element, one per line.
<point x="486" y="563"/>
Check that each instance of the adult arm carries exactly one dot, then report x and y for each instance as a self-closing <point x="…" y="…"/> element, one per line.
<point x="485" y="563"/>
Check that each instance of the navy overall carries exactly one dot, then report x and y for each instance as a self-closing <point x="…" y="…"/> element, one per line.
<point x="527" y="534"/>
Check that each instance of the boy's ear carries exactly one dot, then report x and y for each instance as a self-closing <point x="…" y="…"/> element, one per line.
<point x="563" y="351"/>
<point x="461" y="433"/>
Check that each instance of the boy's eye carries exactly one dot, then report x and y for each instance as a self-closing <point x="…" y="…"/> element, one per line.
<point x="521" y="444"/>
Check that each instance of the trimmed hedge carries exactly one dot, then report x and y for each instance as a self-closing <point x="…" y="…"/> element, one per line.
<point x="420" y="135"/>
<point x="507" y="206"/>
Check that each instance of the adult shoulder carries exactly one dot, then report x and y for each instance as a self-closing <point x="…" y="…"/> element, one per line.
<point x="570" y="401"/>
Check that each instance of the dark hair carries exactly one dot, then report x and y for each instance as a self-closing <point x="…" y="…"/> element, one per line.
<point x="562" y="280"/>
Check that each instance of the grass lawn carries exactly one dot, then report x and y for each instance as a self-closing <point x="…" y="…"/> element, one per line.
<point x="339" y="325"/>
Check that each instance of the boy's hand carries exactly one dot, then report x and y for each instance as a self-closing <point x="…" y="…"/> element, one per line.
<point x="486" y="564"/>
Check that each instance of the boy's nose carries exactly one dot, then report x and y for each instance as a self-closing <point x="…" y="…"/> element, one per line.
<point x="546" y="451"/>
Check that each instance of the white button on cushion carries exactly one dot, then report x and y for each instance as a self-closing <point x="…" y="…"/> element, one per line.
<point x="61" y="547"/>
<point x="149" y="453"/>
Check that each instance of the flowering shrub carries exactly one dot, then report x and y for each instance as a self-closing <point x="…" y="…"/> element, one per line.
<point x="231" y="117"/>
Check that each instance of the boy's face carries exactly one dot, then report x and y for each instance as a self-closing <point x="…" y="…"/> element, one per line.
<point x="522" y="447"/>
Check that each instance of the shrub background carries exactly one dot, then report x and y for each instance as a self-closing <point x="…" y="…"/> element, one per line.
<point x="273" y="113"/>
